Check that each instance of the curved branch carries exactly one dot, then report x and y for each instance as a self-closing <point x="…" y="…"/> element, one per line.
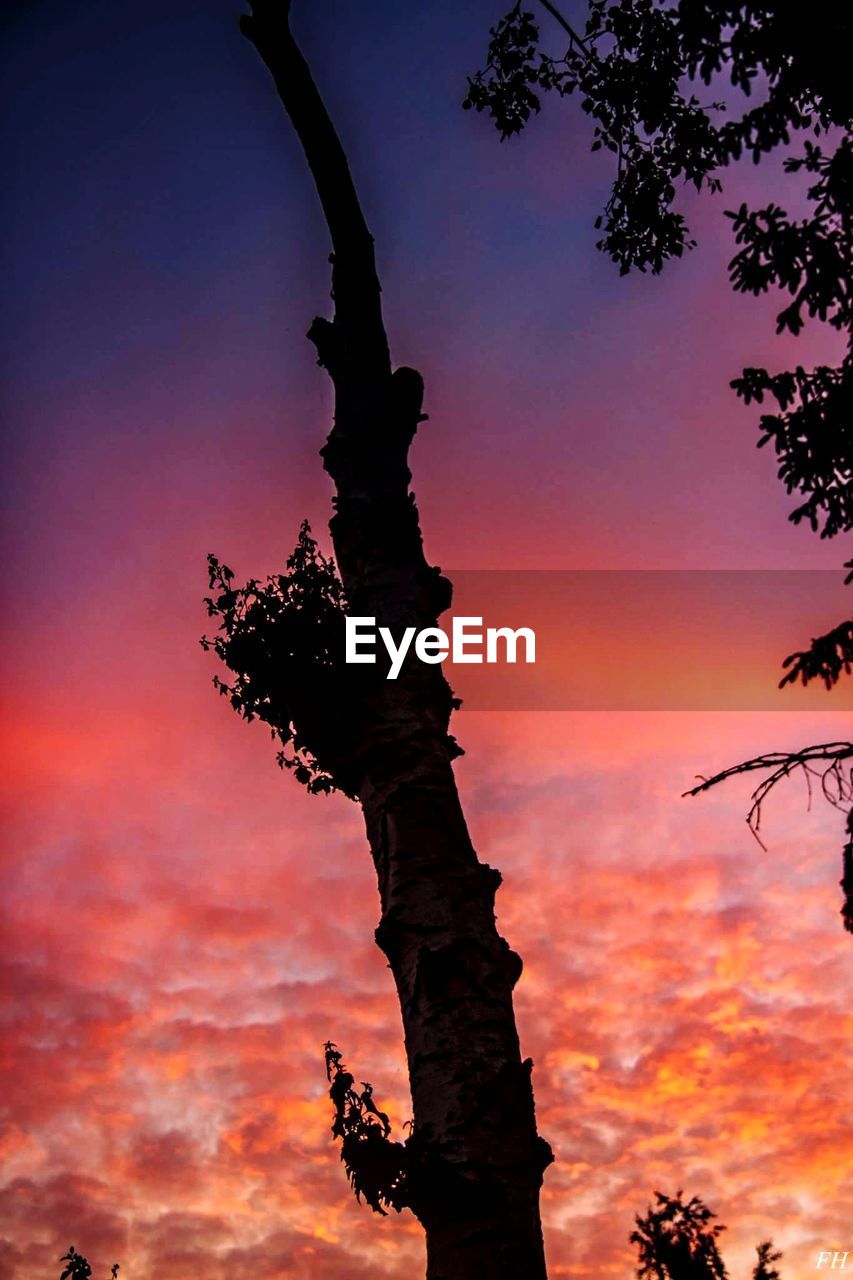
<point x="835" y="785"/>
<point x="355" y="283"/>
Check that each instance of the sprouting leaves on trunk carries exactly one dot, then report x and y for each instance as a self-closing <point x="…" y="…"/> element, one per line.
<point x="283" y="639"/>
<point x="376" y="1166"/>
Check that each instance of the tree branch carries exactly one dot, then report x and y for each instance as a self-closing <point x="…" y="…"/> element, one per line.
<point x="355" y="283"/>
<point x="835" y="786"/>
<point x="567" y="27"/>
<point x="826" y="658"/>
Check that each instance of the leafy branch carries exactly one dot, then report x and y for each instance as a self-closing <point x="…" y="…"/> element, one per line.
<point x="767" y="1257"/>
<point x="78" y="1268"/>
<point x="284" y="641"/>
<point x="376" y="1166"/>
<point x="632" y="70"/>
<point x="825" y="659"/>
<point x="812" y="433"/>
<point x="678" y="1241"/>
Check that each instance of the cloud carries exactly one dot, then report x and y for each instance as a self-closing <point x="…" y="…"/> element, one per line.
<point x="176" y="975"/>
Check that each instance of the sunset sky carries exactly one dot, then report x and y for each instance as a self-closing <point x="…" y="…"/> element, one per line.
<point x="184" y="927"/>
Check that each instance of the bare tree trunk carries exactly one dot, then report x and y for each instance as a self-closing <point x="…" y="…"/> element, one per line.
<point x="476" y="1159"/>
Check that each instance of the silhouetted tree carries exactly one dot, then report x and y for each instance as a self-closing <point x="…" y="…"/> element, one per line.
<point x="764" y="1268"/>
<point x="474" y="1161"/>
<point x="780" y="71"/>
<point x="677" y="1240"/>
<point x="472" y="1168"/>
<point x="78" y="1268"/>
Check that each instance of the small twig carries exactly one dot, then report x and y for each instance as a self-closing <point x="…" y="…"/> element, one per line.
<point x="568" y="28"/>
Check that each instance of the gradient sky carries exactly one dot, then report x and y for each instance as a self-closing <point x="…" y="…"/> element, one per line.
<point x="184" y="927"/>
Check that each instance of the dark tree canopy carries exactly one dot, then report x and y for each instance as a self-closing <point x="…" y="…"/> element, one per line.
<point x="677" y="92"/>
<point x="677" y="1240"/>
<point x="376" y="1165"/>
<point x="767" y="1257"/>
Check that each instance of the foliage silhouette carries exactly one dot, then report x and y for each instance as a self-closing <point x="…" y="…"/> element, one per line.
<point x="677" y="1240"/>
<point x="767" y="1257"/>
<point x="284" y="641"/>
<point x="812" y="433"/>
<point x="78" y="1268"/>
<point x="629" y="69"/>
<point x="779" y="75"/>
<point x="376" y="1166"/>
<point x="825" y="659"/>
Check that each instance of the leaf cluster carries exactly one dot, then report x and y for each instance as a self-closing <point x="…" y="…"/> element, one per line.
<point x="78" y="1268"/>
<point x="376" y="1166"/>
<point x="767" y="1257"/>
<point x="678" y="1241"/>
<point x="812" y="260"/>
<point x="634" y="69"/>
<point x="283" y="640"/>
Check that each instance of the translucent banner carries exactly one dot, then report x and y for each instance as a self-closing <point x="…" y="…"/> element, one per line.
<point x="645" y="639"/>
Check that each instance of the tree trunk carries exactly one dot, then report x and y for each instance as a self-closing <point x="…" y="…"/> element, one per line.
<point x="476" y="1161"/>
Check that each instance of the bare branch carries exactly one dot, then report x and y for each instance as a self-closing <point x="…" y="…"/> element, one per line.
<point x="355" y="283"/>
<point x="827" y="762"/>
<point x="836" y="782"/>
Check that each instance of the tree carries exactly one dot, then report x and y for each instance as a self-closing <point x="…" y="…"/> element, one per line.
<point x="764" y="1267"/>
<point x="78" y="1267"/>
<point x="779" y="73"/>
<point x="472" y="1168"/>
<point x="474" y="1161"/>
<point x="677" y="1240"/>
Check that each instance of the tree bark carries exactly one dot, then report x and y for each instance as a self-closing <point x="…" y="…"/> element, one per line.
<point x="476" y="1161"/>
